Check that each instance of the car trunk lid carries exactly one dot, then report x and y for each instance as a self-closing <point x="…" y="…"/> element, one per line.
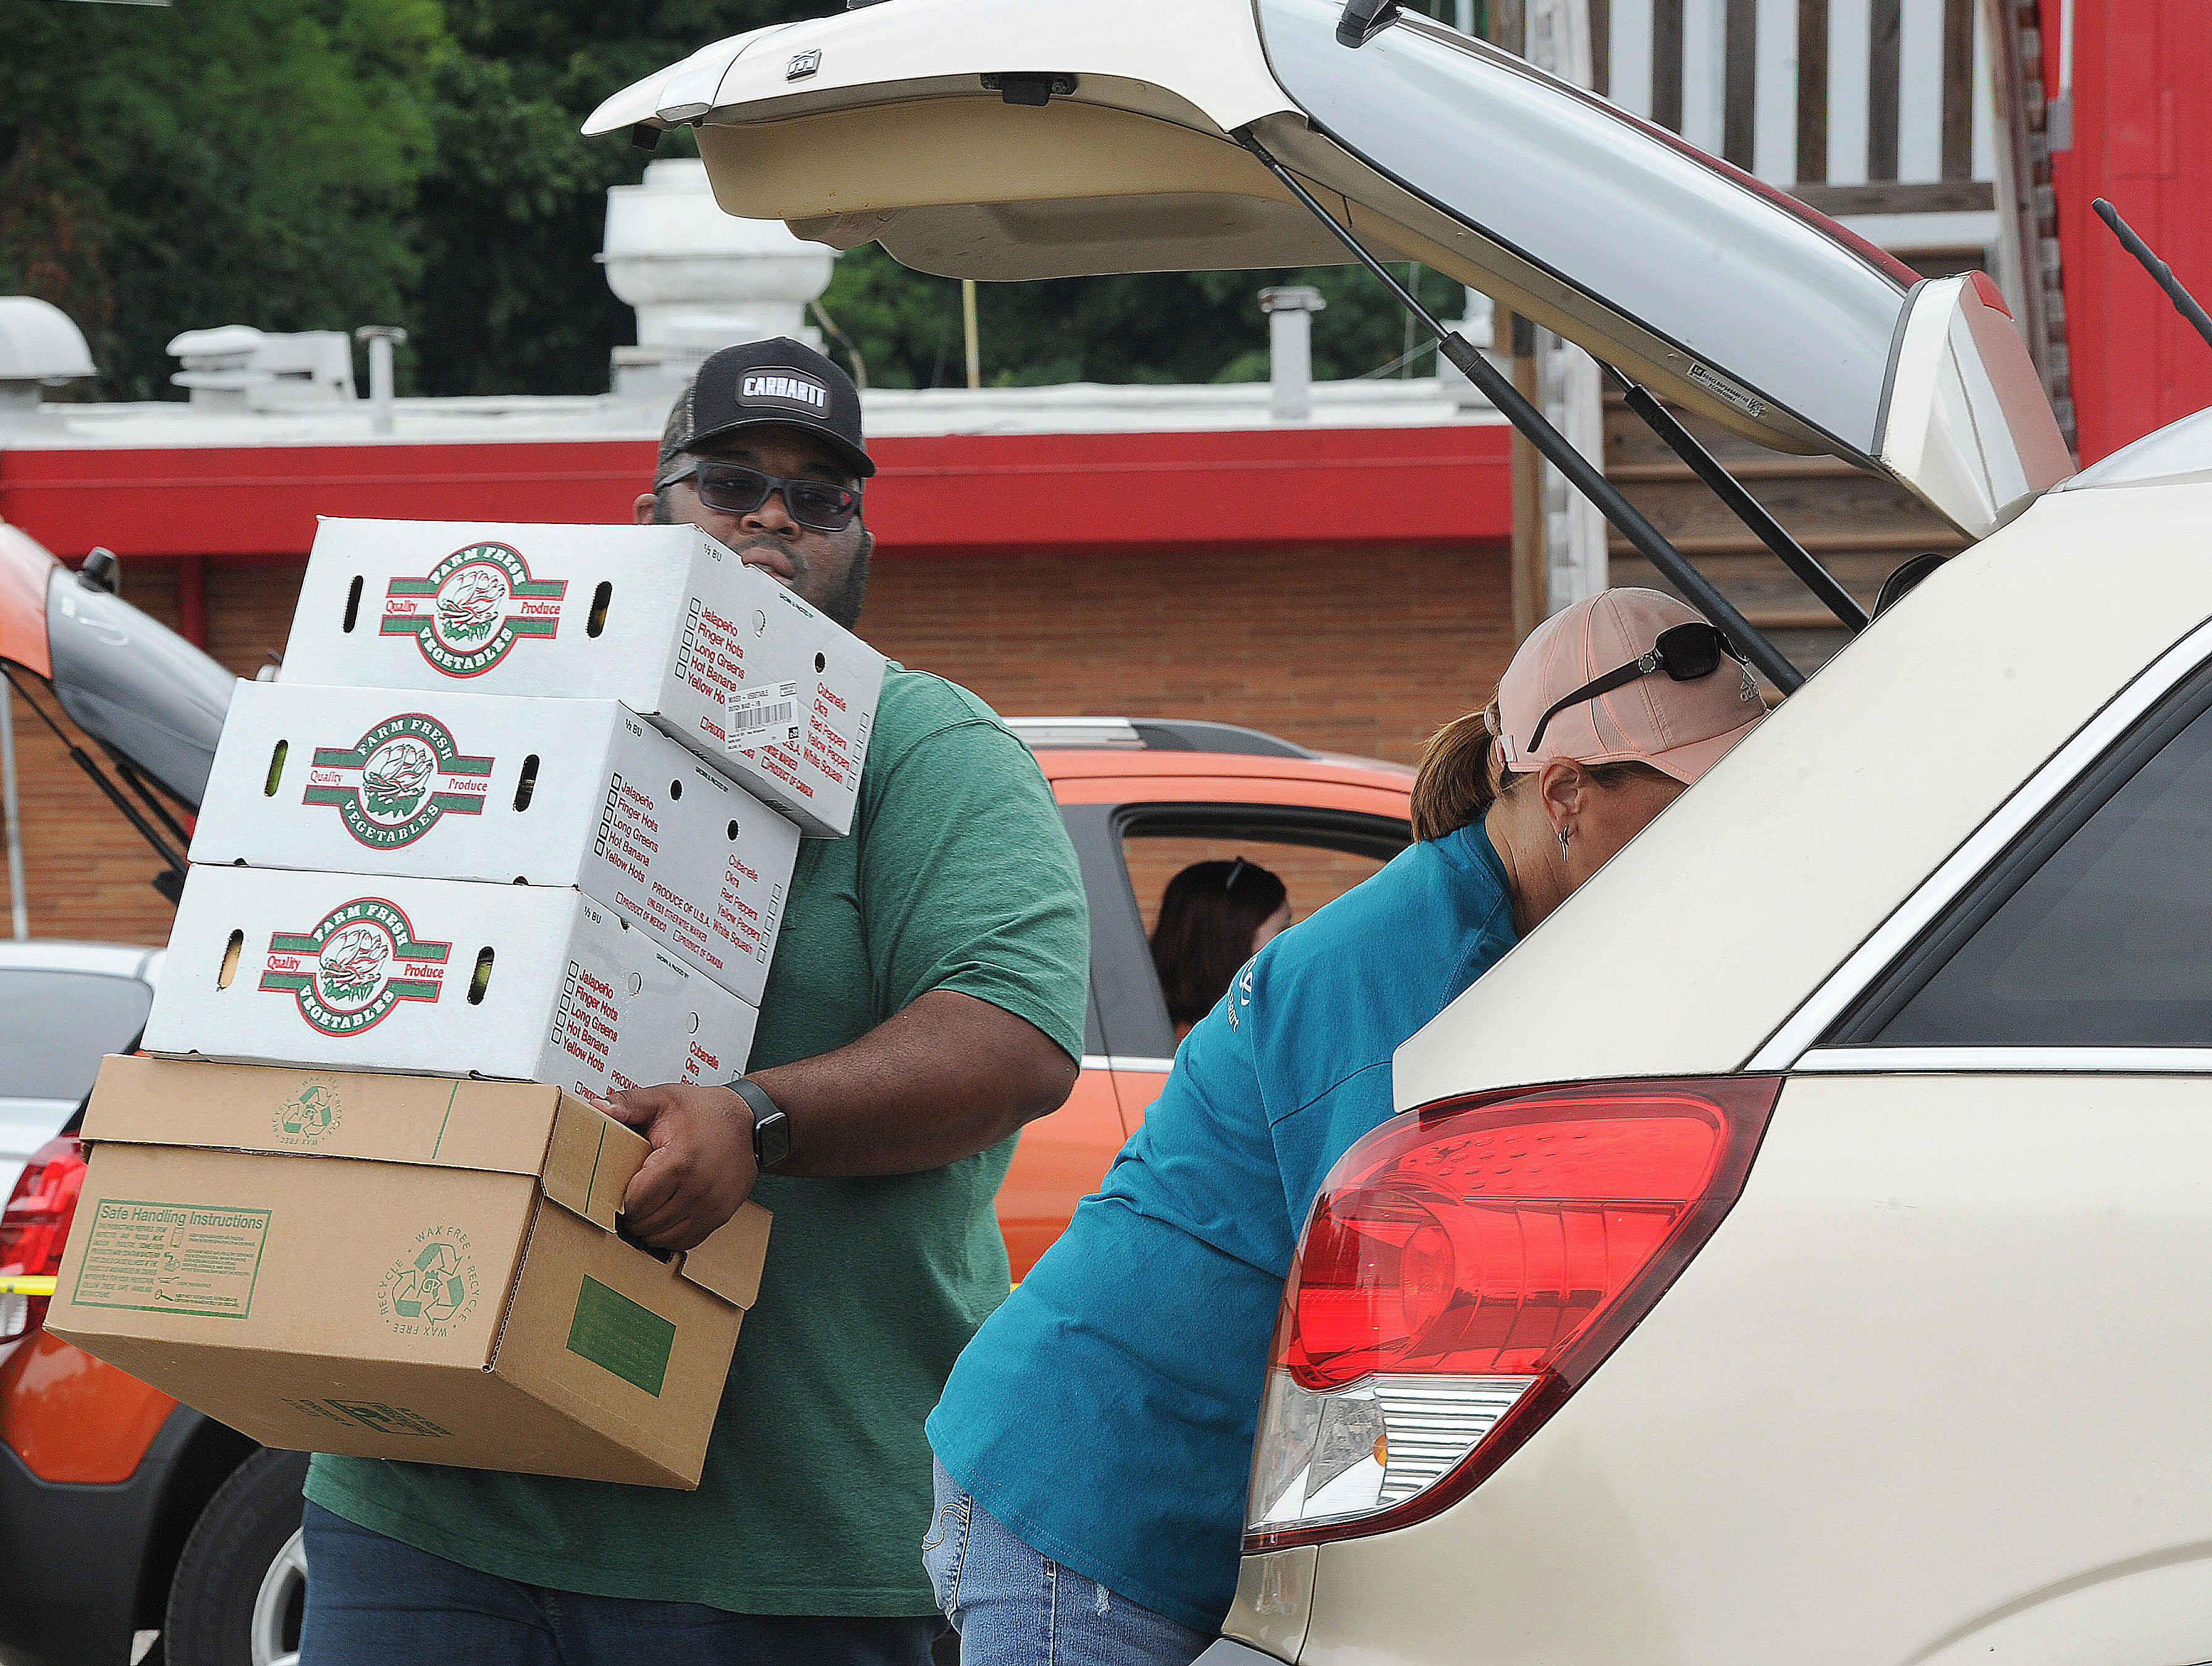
<point x="996" y="139"/>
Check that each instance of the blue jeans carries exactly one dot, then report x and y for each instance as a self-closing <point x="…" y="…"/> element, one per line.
<point x="1015" y="1608"/>
<point x="376" y="1601"/>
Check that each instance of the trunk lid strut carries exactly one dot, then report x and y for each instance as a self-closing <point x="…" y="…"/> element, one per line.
<point x="1586" y="476"/>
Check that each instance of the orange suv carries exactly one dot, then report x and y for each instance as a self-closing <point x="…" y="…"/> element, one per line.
<point x="124" y="1513"/>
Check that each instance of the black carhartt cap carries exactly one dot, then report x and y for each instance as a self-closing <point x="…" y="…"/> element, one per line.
<point x="779" y="381"/>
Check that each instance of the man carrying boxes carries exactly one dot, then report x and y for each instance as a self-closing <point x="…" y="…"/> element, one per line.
<point x="924" y="1000"/>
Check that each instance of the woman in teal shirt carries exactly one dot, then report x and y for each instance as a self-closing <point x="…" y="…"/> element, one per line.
<point x="1094" y="1441"/>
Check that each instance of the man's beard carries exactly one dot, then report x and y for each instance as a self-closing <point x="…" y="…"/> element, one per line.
<point x="852" y="595"/>
<point x="844" y="606"/>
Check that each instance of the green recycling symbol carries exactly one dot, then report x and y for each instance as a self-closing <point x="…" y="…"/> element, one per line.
<point x="433" y="1286"/>
<point x="432" y="1290"/>
<point x="309" y="1114"/>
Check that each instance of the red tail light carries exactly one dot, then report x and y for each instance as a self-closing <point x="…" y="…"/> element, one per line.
<point x="34" y="1228"/>
<point x="1464" y="1270"/>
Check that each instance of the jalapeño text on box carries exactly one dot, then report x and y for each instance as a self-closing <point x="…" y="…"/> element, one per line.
<point x="438" y="976"/>
<point x="800" y="744"/>
<point x="442" y="785"/>
<point x="662" y="618"/>
<point x="397" y="1266"/>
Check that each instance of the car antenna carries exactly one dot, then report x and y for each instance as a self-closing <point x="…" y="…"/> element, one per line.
<point x="1582" y="474"/>
<point x="2161" y="274"/>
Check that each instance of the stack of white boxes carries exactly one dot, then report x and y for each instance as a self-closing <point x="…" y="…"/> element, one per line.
<point x="525" y="804"/>
<point x="508" y="815"/>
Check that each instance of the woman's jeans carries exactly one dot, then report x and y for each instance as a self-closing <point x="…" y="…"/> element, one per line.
<point x="1015" y="1608"/>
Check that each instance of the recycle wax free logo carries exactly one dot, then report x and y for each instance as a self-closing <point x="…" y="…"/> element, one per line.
<point x="360" y="961"/>
<point x="390" y="786"/>
<point x="434" y="1286"/>
<point x="303" y="1117"/>
<point x="481" y="601"/>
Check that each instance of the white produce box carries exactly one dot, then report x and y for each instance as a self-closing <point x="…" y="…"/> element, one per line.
<point x="662" y="618"/>
<point x="437" y="977"/>
<point x="447" y="785"/>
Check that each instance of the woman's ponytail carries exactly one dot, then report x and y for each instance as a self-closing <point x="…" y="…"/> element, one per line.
<point x="1458" y="780"/>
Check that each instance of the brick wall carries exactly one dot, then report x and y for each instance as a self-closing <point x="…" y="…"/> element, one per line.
<point x="1364" y="652"/>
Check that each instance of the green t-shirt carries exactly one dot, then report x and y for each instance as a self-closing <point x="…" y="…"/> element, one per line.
<point x="957" y="875"/>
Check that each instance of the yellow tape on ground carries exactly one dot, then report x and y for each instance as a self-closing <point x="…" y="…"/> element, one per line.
<point x="26" y="1284"/>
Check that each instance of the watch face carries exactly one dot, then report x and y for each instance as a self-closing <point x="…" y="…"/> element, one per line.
<point x="771" y="1139"/>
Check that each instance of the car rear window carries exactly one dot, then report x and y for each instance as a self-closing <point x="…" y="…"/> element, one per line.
<point x="2103" y="944"/>
<point x="1311" y="876"/>
<point x="55" y="1026"/>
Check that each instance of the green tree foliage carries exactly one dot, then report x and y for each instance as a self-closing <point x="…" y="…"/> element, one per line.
<point x="218" y="162"/>
<point x="319" y="164"/>
<point x="1136" y="328"/>
<point x="513" y="206"/>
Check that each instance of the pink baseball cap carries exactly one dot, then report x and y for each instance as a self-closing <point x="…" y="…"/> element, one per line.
<point x="1679" y="728"/>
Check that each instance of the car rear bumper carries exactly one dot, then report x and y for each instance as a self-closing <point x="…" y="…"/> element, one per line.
<point x="1227" y="1652"/>
<point x="71" y="1556"/>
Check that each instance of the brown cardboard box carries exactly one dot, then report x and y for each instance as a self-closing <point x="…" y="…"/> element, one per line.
<point x="397" y="1266"/>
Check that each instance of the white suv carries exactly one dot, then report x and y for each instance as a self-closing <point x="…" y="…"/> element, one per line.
<point x="1797" y="1250"/>
<point x="1788" y="1251"/>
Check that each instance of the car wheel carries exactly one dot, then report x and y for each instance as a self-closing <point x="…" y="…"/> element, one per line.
<point x="242" y="1582"/>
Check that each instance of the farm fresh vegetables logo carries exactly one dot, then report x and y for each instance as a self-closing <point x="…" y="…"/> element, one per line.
<point x="473" y="607"/>
<point x="390" y="786"/>
<point x="359" y="962"/>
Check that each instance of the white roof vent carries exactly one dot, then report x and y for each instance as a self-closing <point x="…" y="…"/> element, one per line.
<point x="236" y="368"/>
<point x="700" y="279"/>
<point x="38" y="342"/>
<point x="40" y="348"/>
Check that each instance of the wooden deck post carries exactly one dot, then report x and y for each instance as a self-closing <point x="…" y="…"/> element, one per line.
<point x="1531" y="555"/>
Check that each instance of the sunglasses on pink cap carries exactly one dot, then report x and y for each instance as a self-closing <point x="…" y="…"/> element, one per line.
<point x="1684" y="651"/>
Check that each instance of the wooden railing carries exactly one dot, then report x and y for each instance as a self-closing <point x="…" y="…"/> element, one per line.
<point x="1920" y="124"/>
<point x="1858" y="107"/>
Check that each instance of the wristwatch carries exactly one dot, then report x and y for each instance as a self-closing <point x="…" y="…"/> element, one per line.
<point x="771" y="1128"/>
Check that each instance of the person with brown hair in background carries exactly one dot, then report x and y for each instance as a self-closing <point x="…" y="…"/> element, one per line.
<point x="1214" y="916"/>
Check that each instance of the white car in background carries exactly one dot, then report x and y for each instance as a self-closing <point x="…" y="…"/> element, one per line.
<point x="63" y="1006"/>
<point x="153" y="704"/>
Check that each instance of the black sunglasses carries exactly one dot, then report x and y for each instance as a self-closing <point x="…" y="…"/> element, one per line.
<point x="739" y="490"/>
<point x="1684" y="651"/>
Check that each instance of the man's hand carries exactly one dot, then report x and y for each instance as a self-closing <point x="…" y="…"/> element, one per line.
<point x="949" y="1076"/>
<point x="700" y="1168"/>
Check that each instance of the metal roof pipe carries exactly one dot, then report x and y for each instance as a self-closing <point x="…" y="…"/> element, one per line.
<point x="1289" y="311"/>
<point x="381" y="338"/>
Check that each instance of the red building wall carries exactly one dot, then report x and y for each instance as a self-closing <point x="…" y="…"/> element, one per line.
<point x="2142" y="137"/>
<point x="1347" y="588"/>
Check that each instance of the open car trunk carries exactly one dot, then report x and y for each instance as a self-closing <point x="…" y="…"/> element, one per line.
<point x="146" y="696"/>
<point x="1003" y="139"/>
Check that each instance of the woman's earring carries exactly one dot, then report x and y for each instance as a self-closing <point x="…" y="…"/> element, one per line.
<point x="1564" y="836"/>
